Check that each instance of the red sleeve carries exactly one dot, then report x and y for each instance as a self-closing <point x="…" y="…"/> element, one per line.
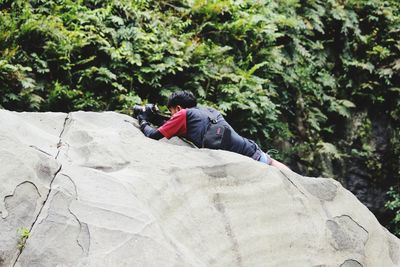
<point x="175" y="126"/>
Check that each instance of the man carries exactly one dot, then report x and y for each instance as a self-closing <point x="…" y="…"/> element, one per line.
<point x="193" y="123"/>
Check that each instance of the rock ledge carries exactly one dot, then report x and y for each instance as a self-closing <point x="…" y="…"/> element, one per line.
<point x="93" y="191"/>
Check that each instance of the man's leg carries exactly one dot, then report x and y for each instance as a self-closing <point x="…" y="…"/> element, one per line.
<point x="279" y="165"/>
<point x="265" y="158"/>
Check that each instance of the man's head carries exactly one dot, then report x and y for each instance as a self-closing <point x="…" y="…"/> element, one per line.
<point x="181" y="99"/>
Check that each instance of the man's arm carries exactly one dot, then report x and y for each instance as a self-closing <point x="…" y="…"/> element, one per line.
<point x="150" y="131"/>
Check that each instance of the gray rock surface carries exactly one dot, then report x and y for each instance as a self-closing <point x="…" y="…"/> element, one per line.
<point x="93" y="191"/>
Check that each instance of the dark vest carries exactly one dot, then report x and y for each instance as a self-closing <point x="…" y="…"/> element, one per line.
<point x="197" y="120"/>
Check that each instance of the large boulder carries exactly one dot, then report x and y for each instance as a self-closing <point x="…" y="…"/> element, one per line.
<point x="93" y="191"/>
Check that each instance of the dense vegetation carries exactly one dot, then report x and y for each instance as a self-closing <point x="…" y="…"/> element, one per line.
<point x="317" y="80"/>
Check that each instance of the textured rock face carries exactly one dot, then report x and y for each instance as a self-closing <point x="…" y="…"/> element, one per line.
<point x="95" y="192"/>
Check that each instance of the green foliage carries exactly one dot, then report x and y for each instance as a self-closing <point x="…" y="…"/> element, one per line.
<point x="314" y="79"/>
<point x="394" y="205"/>
<point x="23" y="235"/>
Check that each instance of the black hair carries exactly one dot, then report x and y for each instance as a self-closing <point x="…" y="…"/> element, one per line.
<point x="185" y="99"/>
